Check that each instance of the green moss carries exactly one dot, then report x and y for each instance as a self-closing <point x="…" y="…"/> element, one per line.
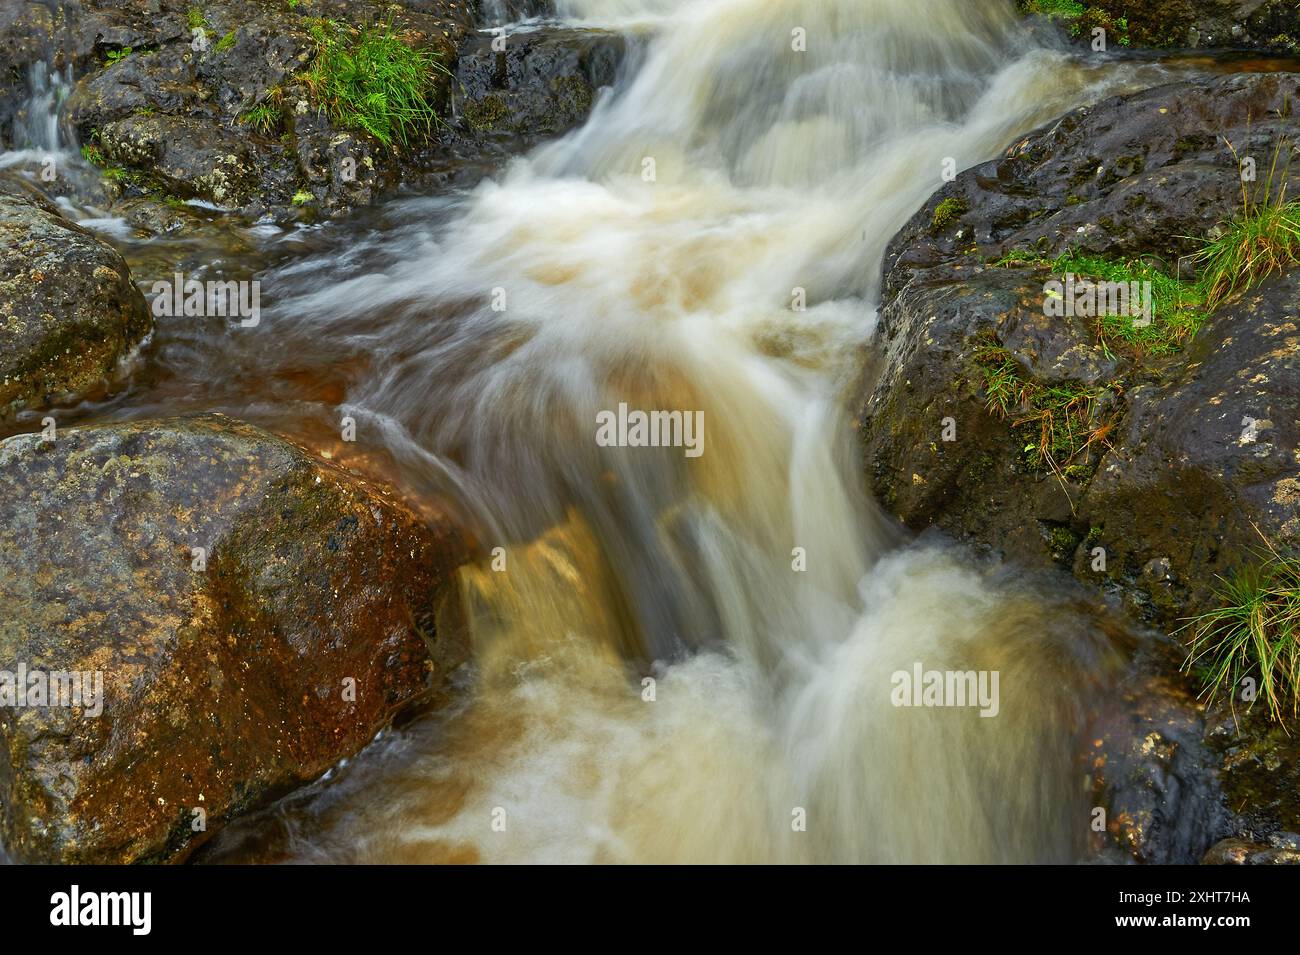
<point x="1116" y="27"/>
<point x="197" y="21"/>
<point x="225" y="43"/>
<point x="577" y="90"/>
<point x="1082" y="16"/>
<point x="947" y="212"/>
<point x="1262" y="240"/>
<point x="1177" y="310"/>
<point x="1062" y="541"/>
<point x="486" y="113"/>
<point x="1066" y="9"/>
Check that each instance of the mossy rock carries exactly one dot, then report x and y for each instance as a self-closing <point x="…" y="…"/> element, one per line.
<point x="314" y="615"/>
<point x="69" y="312"/>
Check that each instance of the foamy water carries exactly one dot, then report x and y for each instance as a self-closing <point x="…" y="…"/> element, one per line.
<point x="708" y="242"/>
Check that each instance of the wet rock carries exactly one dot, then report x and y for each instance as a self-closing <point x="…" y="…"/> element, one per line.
<point x="161" y="81"/>
<point x="1238" y="24"/>
<point x="1151" y="770"/>
<point x="187" y="77"/>
<point x="1259" y="763"/>
<point x="74" y="35"/>
<point x="340" y="168"/>
<point x="1143" y="174"/>
<point x="1169" y="478"/>
<point x="162" y="218"/>
<point x="1235" y="851"/>
<point x="542" y="84"/>
<point x="1208" y="462"/>
<point x="187" y="158"/>
<point x="69" y="312"/>
<point x="230" y="677"/>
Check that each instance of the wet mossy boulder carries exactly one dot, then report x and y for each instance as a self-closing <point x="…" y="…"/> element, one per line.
<point x="542" y="84"/>
<point x="69" y="311"/>
<point x="1180" y="455"/>
<point x="185" y="158"/>
<point x="256" y="614"/>
<point x="213" y="104"/>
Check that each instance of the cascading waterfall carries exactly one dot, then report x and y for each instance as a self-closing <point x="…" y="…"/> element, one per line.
<point x="38" y="133"/>
<point x="691" y="658"/>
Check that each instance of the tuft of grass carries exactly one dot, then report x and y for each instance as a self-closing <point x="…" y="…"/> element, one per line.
<point x="1057" y="422"/>
<point x="264" y="117"/>
<point x="948" y="211"/>
<point x="1263" y="239"/>
<point x="194" y="16"/>
<point x="370" y="79"/>
<point x="1255" y="631"/>
<point x="93" y="154"/>
<point x="225" y="43"/>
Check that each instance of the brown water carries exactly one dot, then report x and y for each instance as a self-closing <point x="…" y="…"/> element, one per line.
<point x="769" y="701"/>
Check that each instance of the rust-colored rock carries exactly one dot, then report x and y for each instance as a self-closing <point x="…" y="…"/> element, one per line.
<point x="226" y="679"/>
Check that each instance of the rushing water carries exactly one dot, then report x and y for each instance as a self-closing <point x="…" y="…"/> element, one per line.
<point x="651" y="258"/>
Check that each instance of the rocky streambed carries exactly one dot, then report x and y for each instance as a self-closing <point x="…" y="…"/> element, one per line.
<point x="183" y="553"/>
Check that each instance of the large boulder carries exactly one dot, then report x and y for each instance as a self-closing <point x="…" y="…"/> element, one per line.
<point x="69" y="312"/>
<point x="1169" y="489"/>
<point x="255" y="613"/>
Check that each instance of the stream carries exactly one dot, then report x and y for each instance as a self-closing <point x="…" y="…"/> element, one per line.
<point x="677" y="658"/>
